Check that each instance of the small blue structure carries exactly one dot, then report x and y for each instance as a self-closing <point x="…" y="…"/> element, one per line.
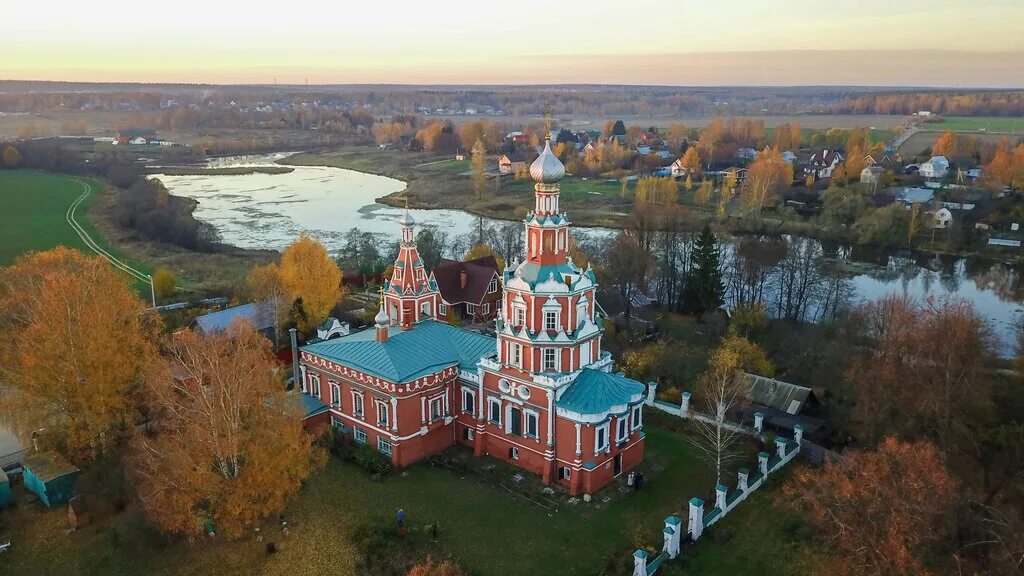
<point x="50" y="477"/>
<point x="260" y="314"/>
<point x="5" y="489"/>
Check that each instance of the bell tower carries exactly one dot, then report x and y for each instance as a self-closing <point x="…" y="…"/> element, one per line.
<point x="411" y="295"/>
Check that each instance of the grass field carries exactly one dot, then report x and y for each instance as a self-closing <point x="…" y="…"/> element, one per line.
<point x="1001" y="124"/>
<point x="34" y="215"/>
<point x="482" y="527"/>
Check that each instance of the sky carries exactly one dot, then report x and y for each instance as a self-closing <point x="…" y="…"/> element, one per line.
<point x="954" y="43"/>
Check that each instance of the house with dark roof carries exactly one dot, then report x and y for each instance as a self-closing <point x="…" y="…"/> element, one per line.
<point x="823" y="163"/>
<point x="469" y="290"/>
<point x="782" y="404"/>
<point x="512" y="164"/>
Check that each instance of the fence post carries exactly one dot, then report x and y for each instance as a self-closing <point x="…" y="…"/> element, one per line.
<point x="639" y="563"/>
<point x="684" y="404"/>
<point x="759" y="422"/>
<point x="696" y="518"/>
<point x="720" y="491"/>
<point x="780" y="447"/>
<point x="762" y="463"/>
<point x="741" y="475"/>
<point x="672" y="529"/>
<point x="798" y="435"/>
<point x="651" y="389"/>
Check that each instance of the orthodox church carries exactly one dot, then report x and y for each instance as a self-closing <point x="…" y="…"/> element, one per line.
<point x="540" y="394"/>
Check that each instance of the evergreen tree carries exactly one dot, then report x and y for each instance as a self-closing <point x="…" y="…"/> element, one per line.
<point x="704" y="288"/>
<point x="619" y="128"/>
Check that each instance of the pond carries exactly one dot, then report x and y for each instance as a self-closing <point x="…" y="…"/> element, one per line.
<point x="270" y="210"/>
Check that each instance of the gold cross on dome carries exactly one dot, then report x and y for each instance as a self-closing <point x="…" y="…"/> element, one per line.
<point x="406" y="201"/>
<point x="547" y="121"/>
<point x="381" y="290"/>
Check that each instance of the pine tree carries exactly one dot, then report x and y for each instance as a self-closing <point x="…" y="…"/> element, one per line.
<point x="704" y="288"/>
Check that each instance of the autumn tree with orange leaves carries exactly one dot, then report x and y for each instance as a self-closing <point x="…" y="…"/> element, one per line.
<point x="945" y="145"/>
<point x="767" y="177"/>
<point x="227" y="446"/>
<point x="306" y="285"/>
<point x="880" y="511"/>
<point x="75" y="341"/>
<point x="924" y="375"/>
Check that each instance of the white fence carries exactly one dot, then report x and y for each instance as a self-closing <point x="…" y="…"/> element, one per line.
<point x="726" y="500"/>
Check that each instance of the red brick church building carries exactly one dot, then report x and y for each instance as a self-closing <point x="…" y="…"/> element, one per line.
<point x="540" y="394"/>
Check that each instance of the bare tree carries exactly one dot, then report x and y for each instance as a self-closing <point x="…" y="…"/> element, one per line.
<point x="722" y="391"/>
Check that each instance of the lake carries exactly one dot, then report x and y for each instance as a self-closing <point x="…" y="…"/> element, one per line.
<point x="270" y="210"/>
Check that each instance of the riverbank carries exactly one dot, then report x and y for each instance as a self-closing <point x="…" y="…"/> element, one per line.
<point x="224" y="171"/>
<point x="432" y="184"/>
<point x="215" y="272"/>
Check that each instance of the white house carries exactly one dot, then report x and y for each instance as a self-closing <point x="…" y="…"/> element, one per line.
<point x="942" y="218"/>
<point x="823" y="163"/>
<point x="937" y="167"/>
<point x="677" y="168"/>
<point x="871" y="175"/>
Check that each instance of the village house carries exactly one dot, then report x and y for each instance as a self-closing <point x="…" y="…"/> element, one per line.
<point x="823" y="163"/>
<point x="514" y="164"/>
<point x="740" y="174"/>
<point x="137" y="136"/>
<point x="470" y="290"/>
<point x="871" y="176"/>
<point x="937" y="167"/>
<point x="541" y="394"/>
<point x="941" y="218"/>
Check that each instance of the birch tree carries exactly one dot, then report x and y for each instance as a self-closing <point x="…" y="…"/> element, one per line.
<point x="722" y="391"/>
<point x="228" y="445"/>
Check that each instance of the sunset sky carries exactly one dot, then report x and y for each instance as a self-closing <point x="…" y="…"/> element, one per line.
<point x="672" y="42"/>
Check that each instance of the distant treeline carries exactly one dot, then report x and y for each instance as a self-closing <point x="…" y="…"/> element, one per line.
<point x="960" y="103"/>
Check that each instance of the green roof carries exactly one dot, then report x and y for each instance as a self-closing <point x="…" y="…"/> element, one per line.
<point x="595" y="392"/>
<point x="48" y="466"/>
<point x="428" y="347"/>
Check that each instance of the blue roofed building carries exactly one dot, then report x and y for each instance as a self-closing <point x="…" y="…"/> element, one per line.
<point x="260" y="314"/>
<point x="539" y="393"/>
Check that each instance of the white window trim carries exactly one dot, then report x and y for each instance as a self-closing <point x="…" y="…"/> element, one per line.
<point x="358" y="435"/>
<point x="468" y="401"/>
<point x="518" y="311"/>
<point x="566" y="473"/>
<point x="358" y="405"/>
<point x="470" y="308"/>
<point x="314" y="385"/>
<point x="515" y="453"/>
<point x="442" y="309"/>
<point x="515" y="355"/>
<point x="598" y="448"/>
<point x="382" y="443"/>
<point x="439" y="402"/>
<point x="493" y="286"/>
<point x="469" y="433"/>
<point x="491" y="403"/>
<point x="637" y="417"/>
<point x="554" y="325"/>
<point x="555" y="357"/>
<point x="335" y="395"/>
<point x="621" y="429"/>
<point x="486" y="308"/>
<point x="527" y="414"/>
<point x="386" y="420"/>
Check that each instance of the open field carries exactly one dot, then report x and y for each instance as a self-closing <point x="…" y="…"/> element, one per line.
<point x="477" y="524"/>
<point x="589" y="122"/>
<point x="1000" y="124"/>
<point x="922" y="140"/>
<point x="37" y="207"/>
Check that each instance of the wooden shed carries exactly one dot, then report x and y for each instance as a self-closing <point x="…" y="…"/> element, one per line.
<point x="50" y="477"/>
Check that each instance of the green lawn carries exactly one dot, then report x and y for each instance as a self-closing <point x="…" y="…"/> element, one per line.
<point x="976" y="123"/>
<point x="33" y="209"/>
<point x="483" y="527"/>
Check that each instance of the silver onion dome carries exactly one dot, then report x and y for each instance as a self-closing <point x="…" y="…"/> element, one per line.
<point x="547" y="168"/>
<point x="407" y="219"/>
<point x="381" y="318"/>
